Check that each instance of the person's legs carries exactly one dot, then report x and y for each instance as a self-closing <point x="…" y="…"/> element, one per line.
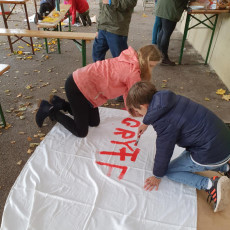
<point x="164" y="38"/>
<point x="156" y="30"/>
<point x="100" y="46"/>
<point x="182" y="170"/>
<point x="83" y="19"/>
<point x="80" y="108"/>
<point x="88" y="18"/>
<point x="116" y="43"/>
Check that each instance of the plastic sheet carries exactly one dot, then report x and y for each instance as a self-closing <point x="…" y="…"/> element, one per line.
<point x="97" y="183"/>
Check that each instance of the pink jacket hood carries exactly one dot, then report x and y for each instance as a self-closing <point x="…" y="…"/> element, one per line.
<point x="109" y="78"/>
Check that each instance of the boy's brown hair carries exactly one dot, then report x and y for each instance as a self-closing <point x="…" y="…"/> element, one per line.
<point x="139" y="94"/>
<point x="146" y="54"/>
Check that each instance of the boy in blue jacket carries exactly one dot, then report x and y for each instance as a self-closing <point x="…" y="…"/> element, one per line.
<point x="179" y="120"/>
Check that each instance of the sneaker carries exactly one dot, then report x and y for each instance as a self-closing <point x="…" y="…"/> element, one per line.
<point x="228" y="172"/>
<point x="78" y="24"/>
<point x="219" y="192"/>
<point x="57" y="102"/>
<point x="43" y="112"/>
<point x="167" y="62"/>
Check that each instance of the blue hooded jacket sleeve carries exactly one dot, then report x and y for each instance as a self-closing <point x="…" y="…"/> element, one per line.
<point x="165" y="144"/>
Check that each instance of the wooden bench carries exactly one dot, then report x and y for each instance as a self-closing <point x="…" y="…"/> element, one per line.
<point x="3" y="69"/>
<point x="53" y="21"/>
<point x="51" y="34"/>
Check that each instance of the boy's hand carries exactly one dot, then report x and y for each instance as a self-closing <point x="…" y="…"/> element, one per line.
<point x="151" y="183"/>
<point x="105" y="1"/>
<point x="141" y="129"/>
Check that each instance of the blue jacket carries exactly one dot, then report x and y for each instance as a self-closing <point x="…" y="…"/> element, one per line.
<point x="179" y="120"/>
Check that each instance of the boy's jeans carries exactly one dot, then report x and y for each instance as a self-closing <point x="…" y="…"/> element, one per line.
<point x="182" y="170"/>
<point x="105" y="41"/>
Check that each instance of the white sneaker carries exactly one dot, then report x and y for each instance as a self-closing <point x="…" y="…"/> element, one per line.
<point x="78" y="24"/>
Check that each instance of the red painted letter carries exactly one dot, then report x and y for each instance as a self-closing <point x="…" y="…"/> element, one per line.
<point x="123" y="154"/>
<point x="111" y="166"/>
<point x="125" y="134"/>
<point x="127" y="121"/>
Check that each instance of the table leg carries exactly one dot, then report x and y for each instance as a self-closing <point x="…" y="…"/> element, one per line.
<point x="2" y="117"/>
<point x="83" y="51"/>
<point x="184" y="37"/>
<point x="211" y="39"/>
<point x="6" y="26"/>
<point x="28" y="25"/>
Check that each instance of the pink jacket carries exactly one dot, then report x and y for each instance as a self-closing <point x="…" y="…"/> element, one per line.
<point x="109" y="78"/>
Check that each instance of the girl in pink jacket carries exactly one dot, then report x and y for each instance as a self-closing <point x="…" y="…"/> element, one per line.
<point x="91" y="86"/>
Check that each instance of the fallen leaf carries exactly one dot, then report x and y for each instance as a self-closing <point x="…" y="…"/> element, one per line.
<point x="19" y="95"/>
<point x="29" y="151"/>
<point x="226" y="97"/>
<point x="21" y="133"/>
<point x="20" y="47"/>
<point x="206" y="99"/>
<point x="19" y="162"/>
<point x="29" y="139"/>
<point x="144" y="15"/>
<point x="13" y="142"/>
<point x="220" y="91"/>
<point x="32" y="145"/>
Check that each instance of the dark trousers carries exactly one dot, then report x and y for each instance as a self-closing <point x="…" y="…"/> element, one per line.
<point x="164" y="35"/>
<point x="84" y="115"/>
<point x="105" y="41"/>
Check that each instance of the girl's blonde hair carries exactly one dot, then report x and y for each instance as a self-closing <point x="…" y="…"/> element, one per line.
<point x="145" y="55"/>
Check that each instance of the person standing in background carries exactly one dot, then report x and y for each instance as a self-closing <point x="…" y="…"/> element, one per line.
<point x="156" y="28"/>
<point x="113" y="27"/>
<point x="169" y="13"/>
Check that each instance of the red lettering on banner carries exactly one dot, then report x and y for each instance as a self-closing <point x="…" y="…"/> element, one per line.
<point x="123" y="154"/>
<point x="111" y="166"/>
<point x="124" y="143"/>
<point x="127" y="121"/>
<point x="125" y="133"/>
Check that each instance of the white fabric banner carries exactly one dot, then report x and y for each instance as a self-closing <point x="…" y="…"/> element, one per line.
<point x="96" y="183"/>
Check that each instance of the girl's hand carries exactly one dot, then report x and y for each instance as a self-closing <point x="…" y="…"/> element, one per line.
<point x="96" y="36"/>
<point x="141" y="129"/>
<point x="151" y="183"/>
<point x="105" y="1"/>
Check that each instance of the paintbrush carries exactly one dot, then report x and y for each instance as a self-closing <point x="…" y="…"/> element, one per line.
<point x="138" y="138"/>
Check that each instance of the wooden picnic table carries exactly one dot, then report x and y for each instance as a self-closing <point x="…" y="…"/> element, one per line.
<point x="209" y="11"/>
<point x="53" y="21"/>
<point x="6" y="17"/>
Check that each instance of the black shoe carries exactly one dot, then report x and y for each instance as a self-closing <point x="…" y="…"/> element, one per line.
<point x="119" y="99"/>
<point x="43" y="112"/>
<point x="219" y="192"/>
<point x="57" y="102"/>
<point x="166" y="61"/>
